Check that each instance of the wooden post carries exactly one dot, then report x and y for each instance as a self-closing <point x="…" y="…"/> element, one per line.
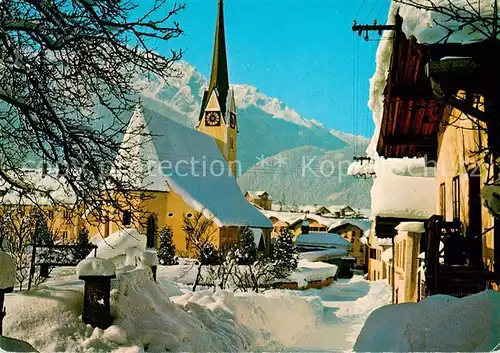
<point x="96" y="301"/>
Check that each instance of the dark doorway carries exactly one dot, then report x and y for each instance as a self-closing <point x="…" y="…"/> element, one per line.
<point x="151" y="232"/>
<point x="474" y="231"/>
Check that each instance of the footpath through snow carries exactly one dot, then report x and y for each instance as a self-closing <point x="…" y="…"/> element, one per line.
<point x="166" y="317"/>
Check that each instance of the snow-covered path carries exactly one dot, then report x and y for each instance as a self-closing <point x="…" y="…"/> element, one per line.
<point x="166" y="316"/>
<point x="346" y="306"/>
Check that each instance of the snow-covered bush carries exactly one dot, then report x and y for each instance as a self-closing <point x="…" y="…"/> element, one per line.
<point x="83" y="243"/>
<point x="246" y="253"/>
<point x="19" y="228"/>
<point x="166" y="248"/>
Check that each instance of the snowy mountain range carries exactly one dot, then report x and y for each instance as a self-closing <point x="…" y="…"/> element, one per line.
<point x="296" y="159"/>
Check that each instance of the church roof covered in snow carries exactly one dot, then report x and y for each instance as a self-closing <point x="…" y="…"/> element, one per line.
<point x="190" y="163"/>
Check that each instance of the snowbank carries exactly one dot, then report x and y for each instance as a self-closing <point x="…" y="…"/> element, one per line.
<point x="95" y="266"/>
<point x="308" y="271"/>
<point x="8" y="271"/>
<point x="274" y="315"/>
<point x="118" y="243"/>
<point x="412" y="227"/>
<point x="438" y="323"/>
<point x="149" y="258"/>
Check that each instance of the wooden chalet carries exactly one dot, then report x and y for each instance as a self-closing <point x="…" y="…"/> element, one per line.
<point x="427" y="86"/>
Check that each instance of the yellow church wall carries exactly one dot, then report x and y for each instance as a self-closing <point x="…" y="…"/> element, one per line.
<point x="458" y="143"/>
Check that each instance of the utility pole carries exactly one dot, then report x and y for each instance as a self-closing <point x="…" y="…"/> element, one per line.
<point x="375" y="27"/>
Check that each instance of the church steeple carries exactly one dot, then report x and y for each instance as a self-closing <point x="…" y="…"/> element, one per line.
<point x="219" y="79"/>
<point x="218" y="109"/>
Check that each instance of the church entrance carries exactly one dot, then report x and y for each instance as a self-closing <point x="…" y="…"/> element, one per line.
<point x="151" y="232"/>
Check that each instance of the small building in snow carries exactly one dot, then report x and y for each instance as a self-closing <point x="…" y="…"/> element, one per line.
<point x="260" y="198"/>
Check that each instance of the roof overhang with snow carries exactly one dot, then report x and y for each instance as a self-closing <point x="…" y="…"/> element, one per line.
<point x="433" y="57"/>
<point x="411" y="113"/>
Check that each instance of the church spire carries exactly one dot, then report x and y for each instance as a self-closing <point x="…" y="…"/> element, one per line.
<point x="219" y="79"/>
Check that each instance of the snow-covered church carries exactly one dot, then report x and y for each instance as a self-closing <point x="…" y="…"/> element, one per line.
<point x="186" y="170"/>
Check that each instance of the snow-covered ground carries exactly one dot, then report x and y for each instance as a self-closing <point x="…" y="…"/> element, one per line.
<point x="166" y="316"/>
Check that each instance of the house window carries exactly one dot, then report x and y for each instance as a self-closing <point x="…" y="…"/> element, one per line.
<point x="231" y="143"/>
<point x="442" y="200"/>
<point x="352" y="240"/>
<point x="65" y="235"/>
<point x="127" y="218"/>
<point x="66" y="214"/>
<point x="373" y="254"/>
<point x="361" y="249"/>
<point x="50" y="214"/>
<point x="456" y="198"/>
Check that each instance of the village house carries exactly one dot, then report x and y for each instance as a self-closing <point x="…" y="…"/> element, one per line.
<point x="438" y="103"/>
<point x="260" y="198"/>
<point x="353" y="230"/>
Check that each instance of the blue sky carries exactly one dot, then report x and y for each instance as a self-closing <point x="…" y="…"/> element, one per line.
<point x="300" y="51"/>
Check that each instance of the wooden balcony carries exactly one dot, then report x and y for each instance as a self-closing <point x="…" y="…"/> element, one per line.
<point x="454" y="269"/>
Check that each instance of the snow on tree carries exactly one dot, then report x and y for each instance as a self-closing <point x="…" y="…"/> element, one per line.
<point x="83" y="243"/>
<point x="42" y="234"/>
<point x="72" y="120"/>
<point x="246" y="254"/>
<point x="199" y="232"/>
<point x="166" y="248"/>
<point x="285" y="254"/>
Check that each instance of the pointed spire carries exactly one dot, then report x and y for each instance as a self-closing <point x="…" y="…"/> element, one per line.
<point x="219" y="78"/>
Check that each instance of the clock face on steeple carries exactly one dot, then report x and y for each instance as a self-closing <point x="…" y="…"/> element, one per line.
<point x="212" y="119"/>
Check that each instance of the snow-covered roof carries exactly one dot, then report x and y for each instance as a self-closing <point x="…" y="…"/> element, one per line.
<point x="384" y="241"/>
<point x="258" y="194"/>
<point x="50" y="186"/>
<point x="323" y="255"/>
<point x="386" y="255"/>
<point x="443" y="25"/>
<point x="312" y="271"/>
<point x="362" y="224"/>
<point x="322" y="239"/>
<point x="413" y="227"/>
<point x="192" y="165"/>
<point x="118" y="243"/>
<point x="313" y="208"/>
<point x="393" y="195"/>
<point x="8" y="272"/>
<point x="287" y="217"/>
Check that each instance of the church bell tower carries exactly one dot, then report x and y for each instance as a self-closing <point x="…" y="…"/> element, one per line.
<point x="218" y="110"/>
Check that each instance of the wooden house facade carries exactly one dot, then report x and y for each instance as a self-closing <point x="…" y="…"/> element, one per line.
<point x="440" y="103"/>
